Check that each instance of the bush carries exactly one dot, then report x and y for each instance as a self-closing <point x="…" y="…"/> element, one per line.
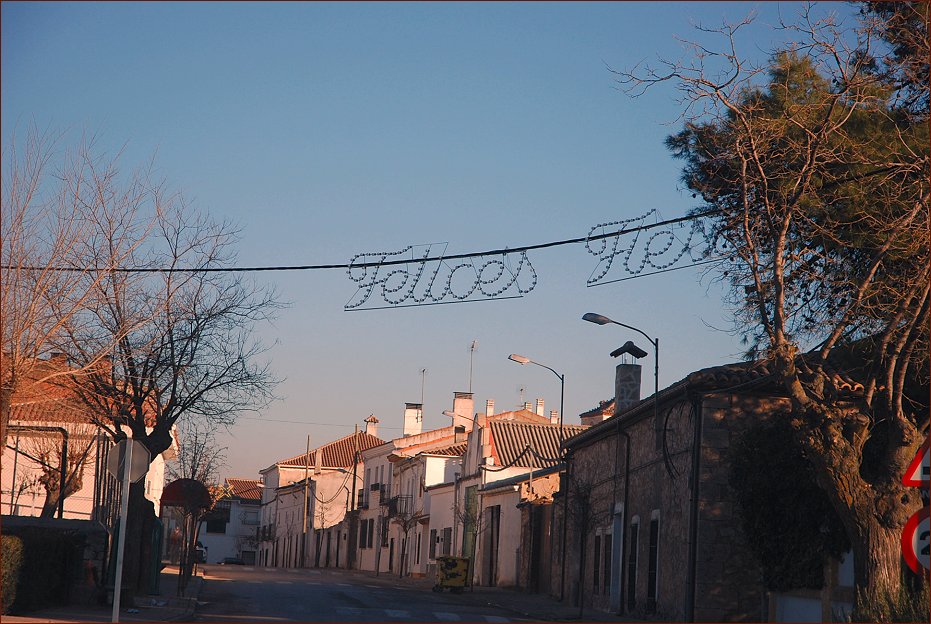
<point x="11" y="555"/>
<point x="50" y="565"/>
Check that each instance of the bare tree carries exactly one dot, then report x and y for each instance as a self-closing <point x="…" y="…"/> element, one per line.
<point x="176" y="327"/>
<point x="47" y="197"/>
<point x="199" y="455"/>
<point x="45" y="451"/>
<point x="818" y="179"/>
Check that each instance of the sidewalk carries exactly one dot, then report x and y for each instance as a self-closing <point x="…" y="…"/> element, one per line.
<point x="164" y="607"/>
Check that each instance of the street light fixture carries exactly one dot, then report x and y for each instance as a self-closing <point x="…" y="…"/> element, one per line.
<point x="520" y="359"/>
<point x="632" y="349"/>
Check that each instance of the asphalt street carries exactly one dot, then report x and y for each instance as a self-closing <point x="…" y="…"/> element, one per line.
<point x="242" y="593"/>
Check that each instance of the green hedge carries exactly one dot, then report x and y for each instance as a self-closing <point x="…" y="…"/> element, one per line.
<point x="50" y="564"/>
<point x="11" y="555"/>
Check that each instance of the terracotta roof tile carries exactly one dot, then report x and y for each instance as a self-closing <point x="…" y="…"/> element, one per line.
<point x="336" y="454"/>
<point x="510" y="439"/>
<point x="452" y="451"/>
<point x="249" y="490"/>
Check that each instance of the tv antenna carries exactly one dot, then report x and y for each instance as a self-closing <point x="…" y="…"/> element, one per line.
<point x="423" y="381"/>
<point x="472" y="349"/>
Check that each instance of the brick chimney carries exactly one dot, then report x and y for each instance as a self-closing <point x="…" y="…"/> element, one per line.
<point x="413" y="418"/>
<point x="490" y="407"/>
<point x="528" y="406"/>
<point x="554" y="417"/>
<point x="462" y="409"/>
<point x="626" y="386"/>
<point x="460" y="435"/>
<point x="538" y="408"/>
<point x="371" y="425"/>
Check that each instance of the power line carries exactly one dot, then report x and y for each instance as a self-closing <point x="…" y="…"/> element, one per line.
<point x="362" y="265"/>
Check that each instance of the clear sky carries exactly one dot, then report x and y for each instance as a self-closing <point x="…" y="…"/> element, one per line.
<point x="327" y="130"/>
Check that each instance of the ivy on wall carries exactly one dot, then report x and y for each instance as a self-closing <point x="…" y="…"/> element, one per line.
<point x="789" y="521"/>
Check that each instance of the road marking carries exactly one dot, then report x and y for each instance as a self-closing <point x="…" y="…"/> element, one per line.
<point x="445" y="616"/>
<point x="398" y="613"/>
<point x="496" y="618"/>
<point x="373" y="586"/>
<point x="284" y="582"/>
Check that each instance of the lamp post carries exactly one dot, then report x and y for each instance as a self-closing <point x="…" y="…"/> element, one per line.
<point x="635" y="351"/>
<point x="520" y="359"/>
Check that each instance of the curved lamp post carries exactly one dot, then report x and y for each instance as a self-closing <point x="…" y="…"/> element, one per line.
<point x="634" y="350"/>
<point x="520" y="359"/>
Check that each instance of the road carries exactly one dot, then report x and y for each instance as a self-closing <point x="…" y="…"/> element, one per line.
<point x="243" y="593"/>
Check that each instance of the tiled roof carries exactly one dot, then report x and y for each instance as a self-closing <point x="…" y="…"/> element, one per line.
<point x="47" y="395"/>
<point x="510" y="439"/>
<point x="604" y="407"/>
<point x="452" y="451"/>
<point x="336" y="454"/>
<point x="44" y="396"/>
<point x="249" y="490"/>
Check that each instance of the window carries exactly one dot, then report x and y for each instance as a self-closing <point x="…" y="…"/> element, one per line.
<point x="596" y="561"/>
<point x="607" y="563"/>
<point x="384" y="532"/>
<point x="363" y="532"/>
<point x="653" y="572"/>
<point x="216" y="525"/>
<point x="447" y="540"/>
<point x="371" y="538"/>
<point x="419" y="540"/>
<point x="632" y="564"/>
<point x="433" y="541"/>
<point x="250" y="517"/>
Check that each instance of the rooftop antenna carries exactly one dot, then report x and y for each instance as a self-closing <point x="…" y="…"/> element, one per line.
<point x="471" y="355"/>
<point x="521" y="389"/>
<point x="423" y="381"/>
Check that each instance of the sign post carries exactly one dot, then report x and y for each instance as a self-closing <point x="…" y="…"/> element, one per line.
<point x="128" y="460"/>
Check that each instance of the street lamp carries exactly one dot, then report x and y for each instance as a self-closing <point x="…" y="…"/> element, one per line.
<point x="520" y="359"/>
<point x="632" y="349"/>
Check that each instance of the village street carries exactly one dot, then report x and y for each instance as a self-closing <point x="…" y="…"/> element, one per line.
<point x="269" y="594"/>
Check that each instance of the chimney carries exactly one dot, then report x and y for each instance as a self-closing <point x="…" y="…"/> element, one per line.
<point x="371" y="425"/>
<point x="460" y="434"/>
<point x="413" y="419"/>
<point x="462" y="409"/>
<point x="538" y="408"/>
<point x="626" y="386"/>
<point x="554" y="417"/>
<point x="490" y="407"/>
<point x="528" y="406"/>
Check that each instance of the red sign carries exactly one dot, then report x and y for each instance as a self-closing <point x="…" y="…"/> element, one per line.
<point x="916" y="540"/>
<point x="919" y="471"/>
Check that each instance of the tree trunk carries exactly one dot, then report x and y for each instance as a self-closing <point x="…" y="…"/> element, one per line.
<point x="136" y="557"/>
<point x="878" y="563"/>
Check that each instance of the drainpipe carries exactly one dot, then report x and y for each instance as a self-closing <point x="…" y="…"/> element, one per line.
<point x="693" y="512"/>
<point x="623" y="592"/>
<point x="64" y="458"/>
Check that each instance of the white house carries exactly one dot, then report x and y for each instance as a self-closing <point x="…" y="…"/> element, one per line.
<point x="312" y="490"/>
<point x="44" y="416"/>
<point x="230" y="531"/>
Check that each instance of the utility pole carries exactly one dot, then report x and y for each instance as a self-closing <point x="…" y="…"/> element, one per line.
<point x="471" y="356"/>
<point x="304" y="529"/>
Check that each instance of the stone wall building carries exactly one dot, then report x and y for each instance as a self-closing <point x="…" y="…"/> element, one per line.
<point x="653" y="530"/>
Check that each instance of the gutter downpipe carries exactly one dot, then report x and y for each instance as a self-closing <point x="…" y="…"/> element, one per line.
<point x="623" y="588"/>
<point x="693" y="512"/>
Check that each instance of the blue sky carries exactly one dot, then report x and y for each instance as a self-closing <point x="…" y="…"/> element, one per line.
<point x="326" y="130"/>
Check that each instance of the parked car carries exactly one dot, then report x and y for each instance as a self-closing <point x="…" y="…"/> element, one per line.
<point x="232" y="561"/>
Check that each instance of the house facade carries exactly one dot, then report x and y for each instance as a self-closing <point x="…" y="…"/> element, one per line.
<point x="231" y="528"/>
<point x="652" y="529"/>
<point x="45" y="416"/>
<point x="305" y="496"/>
